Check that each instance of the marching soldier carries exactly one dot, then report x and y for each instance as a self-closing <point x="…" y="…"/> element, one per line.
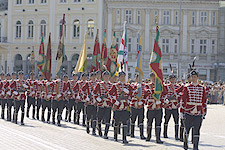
<point x="31" y="95"/>
<point x="66" y="98"/>
<point x="38" y="94"/>
<point x="90" y="103"/>
<point x="3" y="95"/>
<point x="193" y="109"/>
<point x="80" y="102"/>
<point x="137" y="108"/>
<point x="119" y="94"/>
<point x="171" y="106"/>
<point x="104" y="103"/>
<point x="18" y="88"/>
<point x="154" y="110"/>
<point x="72" y="101"/>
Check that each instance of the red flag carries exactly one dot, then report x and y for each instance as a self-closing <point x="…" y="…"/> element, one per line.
<point x="48" y="60"/>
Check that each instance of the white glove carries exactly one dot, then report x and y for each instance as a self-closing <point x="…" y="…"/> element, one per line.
<point x="32" y="92"/>
<point x="49" y="96"/>
<point x="15" y="92"/>
<point x="59" y="95"/>
<point x="48" y="83"/>
<point x="98" y="99"/>
<point x="140" y="103"/>
<point x="78" y="97"/>
<point x="167" y="101"/>
<point x="69" y="92"/>
<point x="24" y="85"/>
<point x="8" y="93"/>
<point x="126" y="91"/>
<point x="2" y="93"/>
<point x="58" y="80"/>
<point x="116" y="103"/>
<point x="181" y="116"/>
<point x="87" y="99"/>
<point x="139" y="86"/>
<point x="158" y="102"/>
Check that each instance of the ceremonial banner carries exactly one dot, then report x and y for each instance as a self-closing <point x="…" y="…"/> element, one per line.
<point x="61" y="49"/>
<point x="139" y="67"/>
<point x="41" y="57"/>
<point x="103" y="53"/>
<point x="48" y="60"/>
<point x="112" y="59"/>
<point x="82" y="61"/>
<point x="95" y="65"/>
<point x="156" y="67"/>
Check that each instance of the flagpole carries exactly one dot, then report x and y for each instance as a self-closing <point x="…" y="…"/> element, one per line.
<point x="32" y="67"/>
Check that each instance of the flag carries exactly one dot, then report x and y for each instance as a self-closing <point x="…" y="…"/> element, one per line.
<point x="41" y="57"/>
<point x="112" y="59"/>
<point x="139" y="67"/>
<point x="61" y="49"/>
<point x="122" y="60"/>
<point x="32" y="57"/>
<point x="82" y="61"/>
<point x="103" y="53"/>
<point x="95" y="65"/>
<point x="156" y="67"/>
<point x="48" y="60"/>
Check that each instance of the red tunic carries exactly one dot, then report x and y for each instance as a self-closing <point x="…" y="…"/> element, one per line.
<point x="135" y="102"/>
<point x="76" y="90"/>
<point x="86" y="93"/>
<point x="18" y="88"/>
<point x="171" y="98"/>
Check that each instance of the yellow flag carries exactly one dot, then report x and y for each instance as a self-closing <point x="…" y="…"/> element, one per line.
<point x="82" y="61"/>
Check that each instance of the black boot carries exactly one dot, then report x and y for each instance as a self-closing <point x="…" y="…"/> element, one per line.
<point x="185" y="141"/>
<point x="84" y="118"/>
<point x="22" y="118"/>
<point x="176" y="132"/>
<point x="99" y="129"/>
<point x="149" y="132"/>
<point x="142" y="132"/>
<point x="94" y="127"/>
<point x="48" y="117"/>
<point x="8" y="114"/>
<point x="181" y="134"/>
<point x="59" y="118"/>
<point x="3" y="113"/>
<point x="33" y="113"/>
<point x="75" y="118"/>
<point x="37" y="114"/>
<point x="53" y="118"/>
<point x="28" y="109"/>
<point x="195" y="142"/>
<point x="158" y="132"/>
<point x="119" y="128"/>
<point x="87" y="127"/>
<point x="125" y="134"/>
<point x="15" y="118"/>
<point x="69" y="116"/>
<point x="106" y="131"/>
<point x="128" y="128"/>
<point x="165" y="131"/>
<point x="43" y="116"/>
<point x="115" y="133"/>
<point x="78" y="119"/>
<point x="132" y="131"/>
<point x="192" y="135"/>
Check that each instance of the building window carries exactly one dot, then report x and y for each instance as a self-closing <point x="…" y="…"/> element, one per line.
<point x="60" y="26"/>
<point x="214" y="18"/>
<point x="62" y="1"/>
<point x="129" y="44"/>
<point x="76" y="1"/>
<point x="90" y="28"/>
<point x="18" y="29"/>
<point x="118" y="16"/>
<point x="30" y="1"/>
<point x="165" y="45"/>
<point x="90" y="1"/>
<point x="30" y="29"/>
<point x="43" y="28"/>
<point x="203" y="44"/>
<point x="76" y="28"/>
<point x="192" y="46"/>
<point x="213" y="46"/>
<point x="43" y="1"/>
<point x="175" y="46"/>
<point x="18" y="2"/>
<point x="166" y="17"/>
<point x="138" y="17"/>
<point x="176" y="18"/>
<point x="203" y="20"/>
<point x="193" y="18"/>
<point x="128" y="16"/>
<point x="156" y="14"/>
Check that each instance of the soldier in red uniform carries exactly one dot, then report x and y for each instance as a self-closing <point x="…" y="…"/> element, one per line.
<point x="154" y="110"/>
<point x="66" y="98"/>
<point x="137" y="108"/>
<point x="171" y="106"/>
<point x="18" y="88"/>
<point x="9" y="96"/>
<point x="3" y="95"/>
<point x="72" y="100"/>
<point x="2" y="78"/>
<point x="104" y="103"/>
<point x="119" y="94"/>
<point x="193" y="108"/>
<point x="90" y="103"/>
<point x="31" y="95"/>
<point x="38" y="94"/>
<point x="79" y="100"/>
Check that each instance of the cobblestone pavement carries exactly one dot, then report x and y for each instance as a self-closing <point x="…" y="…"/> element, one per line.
<point x="36" y="135"/>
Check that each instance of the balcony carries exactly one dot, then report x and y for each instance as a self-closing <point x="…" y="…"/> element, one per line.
<point x="3" y="39"/>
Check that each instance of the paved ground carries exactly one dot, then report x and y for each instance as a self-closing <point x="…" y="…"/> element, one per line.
<point x="36" y="135"/>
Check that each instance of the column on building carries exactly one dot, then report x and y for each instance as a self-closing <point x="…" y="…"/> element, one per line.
<point x="52" y="24"/>
<point x="100" y="20"/>
<point x="147" y="29"/>
<point x="109" y="27"/>
<point x="134" y="16"/>
<point x="208" y="74"/>
<point x="185" y="26"/>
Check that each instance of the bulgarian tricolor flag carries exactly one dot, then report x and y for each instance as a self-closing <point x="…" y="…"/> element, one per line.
<point x="41" y="57"/>
<point x="156" y="67"/>
<point x="122" y="60"/>
<point x="95" y="65"/>
<point x="48" y="60"/>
